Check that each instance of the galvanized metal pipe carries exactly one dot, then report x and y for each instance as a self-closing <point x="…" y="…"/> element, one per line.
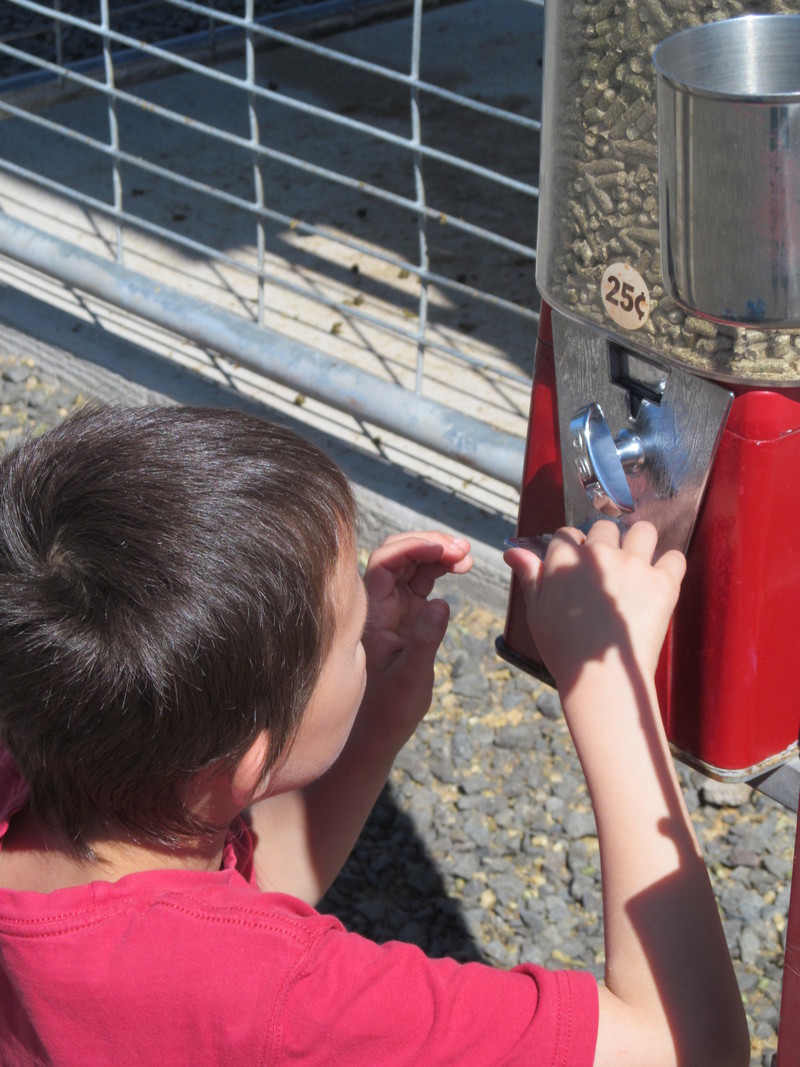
<point x="291" y="363"/>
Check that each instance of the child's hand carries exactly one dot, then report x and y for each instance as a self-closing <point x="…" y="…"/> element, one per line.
<point x="404" y="628"/>
<point x="592" y="597"/>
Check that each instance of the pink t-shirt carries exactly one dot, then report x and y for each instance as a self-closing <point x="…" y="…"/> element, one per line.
<point x="184" y="967"/>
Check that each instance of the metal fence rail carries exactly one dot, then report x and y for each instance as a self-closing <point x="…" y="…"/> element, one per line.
<point x="257" y="172"/>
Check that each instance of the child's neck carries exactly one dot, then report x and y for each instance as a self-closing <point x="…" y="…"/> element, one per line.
<point x="31" y="860"/>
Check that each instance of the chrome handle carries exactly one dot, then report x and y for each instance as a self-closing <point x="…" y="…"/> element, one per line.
<point x="602" y="460"/>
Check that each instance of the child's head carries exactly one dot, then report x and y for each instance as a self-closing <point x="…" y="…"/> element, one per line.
<point x="166" y="596"/>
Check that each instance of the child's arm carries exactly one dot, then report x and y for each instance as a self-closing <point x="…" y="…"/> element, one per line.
<point x="303" y="838"/>
<point x="599" y="613"/>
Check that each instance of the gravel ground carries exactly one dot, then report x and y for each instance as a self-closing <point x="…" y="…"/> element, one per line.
<point x="483" y="844"/>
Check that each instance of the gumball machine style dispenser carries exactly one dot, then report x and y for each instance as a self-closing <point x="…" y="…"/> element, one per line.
<point x="667" y="371"/>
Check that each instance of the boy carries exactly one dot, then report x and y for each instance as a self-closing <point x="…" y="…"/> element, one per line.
<point x="200" y="701"/>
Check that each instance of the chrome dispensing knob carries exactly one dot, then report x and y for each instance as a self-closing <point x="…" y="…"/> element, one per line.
<point x="602" y="460"/>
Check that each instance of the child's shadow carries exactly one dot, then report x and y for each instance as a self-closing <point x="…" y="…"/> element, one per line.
<point x="391" y="890"/>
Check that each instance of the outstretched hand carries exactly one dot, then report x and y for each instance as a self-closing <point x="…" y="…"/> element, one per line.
<point x="404" y="628"/>
<point x="592" y="595"/>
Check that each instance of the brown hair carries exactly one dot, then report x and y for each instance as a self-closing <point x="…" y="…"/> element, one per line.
<point x="164" y="597"/>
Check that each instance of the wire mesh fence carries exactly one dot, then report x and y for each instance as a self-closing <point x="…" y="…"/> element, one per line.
<point x="358" y="178"/>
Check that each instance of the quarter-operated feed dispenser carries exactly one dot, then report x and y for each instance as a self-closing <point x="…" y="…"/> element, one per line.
<point x="667" y="374"/>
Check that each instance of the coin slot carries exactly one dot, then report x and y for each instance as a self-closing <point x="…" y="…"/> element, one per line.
<point x="639" y="377"/>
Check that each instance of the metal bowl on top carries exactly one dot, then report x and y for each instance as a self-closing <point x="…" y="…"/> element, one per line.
<point x="728" y="104"/>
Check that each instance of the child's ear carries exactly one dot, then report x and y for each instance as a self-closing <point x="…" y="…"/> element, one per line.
<point x="247" y="776"/>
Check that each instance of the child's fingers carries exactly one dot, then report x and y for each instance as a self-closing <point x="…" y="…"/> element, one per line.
<point x="525" y="565"/>
<point x="641" y="540"/>
<point x="673" y="563"/>
<point x="439" y="536"/>
<point x="415" y="545"/>
<point x="396" y="561"/>
<point x="462" y="565"/>
<point x="566" y="538"/>
<point x="422" y="642"/>
<point x="603" y="532"/>
<point x="397" y="551"/>
<point x="416" y="560"/>
<point x="422" y="579"/>
<point x="431" y="626"/>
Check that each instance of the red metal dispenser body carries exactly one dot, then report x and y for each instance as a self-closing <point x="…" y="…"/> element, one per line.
<point x="727" y="678"/>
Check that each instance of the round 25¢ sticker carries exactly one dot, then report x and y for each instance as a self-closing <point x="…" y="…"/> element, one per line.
<point x="625" y="296"/>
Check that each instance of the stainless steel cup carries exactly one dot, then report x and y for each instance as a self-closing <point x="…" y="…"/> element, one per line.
<point x="728" y="97"/>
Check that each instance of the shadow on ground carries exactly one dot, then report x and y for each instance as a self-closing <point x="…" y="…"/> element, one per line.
<point x="390" y="889"/>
